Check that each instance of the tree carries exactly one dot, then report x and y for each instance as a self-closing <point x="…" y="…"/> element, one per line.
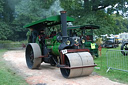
<point x="121" y="23"/>
<point x="7" y="10"/>
<point x="34" y="9"/>
<point x="14" y="14"/>
<point x="1" y="6"/>
<point x="27" y="12"/>
<point x="5" y="32"/>
<point x="95" y="5"/>
<point x="97" y="12"/>
<point x="5" y="16"/>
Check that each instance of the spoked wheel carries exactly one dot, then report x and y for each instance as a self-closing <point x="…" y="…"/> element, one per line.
<point x="77" y="60"/>
<point x="124" y="48"/>
<point x="31" y="56"/>
<point x="33" y="53"/>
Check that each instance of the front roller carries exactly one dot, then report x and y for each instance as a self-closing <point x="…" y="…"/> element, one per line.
<point x="79" y="64"/>
<point x="33" y="53"/>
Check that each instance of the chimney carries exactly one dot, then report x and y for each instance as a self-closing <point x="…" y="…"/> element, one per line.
<point x="63" y="23"/>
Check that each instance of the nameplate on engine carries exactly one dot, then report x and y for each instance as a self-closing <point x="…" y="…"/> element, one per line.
<point x="64" y="51"/>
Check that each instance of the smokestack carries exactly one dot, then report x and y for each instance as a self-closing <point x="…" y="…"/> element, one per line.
<point x="63" y="23"/>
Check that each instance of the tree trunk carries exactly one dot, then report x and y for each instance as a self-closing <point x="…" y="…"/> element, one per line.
<point x="87" y="5"/>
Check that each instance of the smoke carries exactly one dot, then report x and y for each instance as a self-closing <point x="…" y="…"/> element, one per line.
<point x="54" y="9"/>
<point x="25" y="7"/>
<point x="11" y="4"/>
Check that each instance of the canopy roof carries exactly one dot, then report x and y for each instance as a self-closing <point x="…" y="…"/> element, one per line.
<point x="83" y="27"/>
<point x="47" y="22"/>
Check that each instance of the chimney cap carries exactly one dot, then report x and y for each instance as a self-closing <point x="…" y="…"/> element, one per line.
<point x="62" y="11"/>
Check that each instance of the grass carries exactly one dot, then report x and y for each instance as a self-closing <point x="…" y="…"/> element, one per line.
<point x="11" y="44"/>
<point x="115" y="75"/>
<point x="7" y="76"/>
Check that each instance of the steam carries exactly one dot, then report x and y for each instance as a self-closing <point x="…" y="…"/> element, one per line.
<point x="11" y="4"/>
<point x="54" y="9"/>
<point x="24" y="7"/>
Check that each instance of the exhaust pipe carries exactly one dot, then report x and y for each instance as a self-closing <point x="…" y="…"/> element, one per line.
<point x="64" y="24"/>
<point x="63" y="30"/>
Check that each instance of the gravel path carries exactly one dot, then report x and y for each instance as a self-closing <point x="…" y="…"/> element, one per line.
<point x="48" y="75"/>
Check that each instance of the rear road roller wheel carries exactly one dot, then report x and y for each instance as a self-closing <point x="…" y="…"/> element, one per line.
<point x="78" y="60"/>
<point x="33" y="53"/>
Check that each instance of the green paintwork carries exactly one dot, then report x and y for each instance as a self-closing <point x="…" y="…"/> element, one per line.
<point x="92" y="51"/>
<point x="52" y="44"/>
<point x="54" y="38"/>
<point x="55" y="19"/>
<point x="49" y="42"/>
<point x="49" y="47"/>
<point x="55" y="49"/>
<point x="88" y="43"/>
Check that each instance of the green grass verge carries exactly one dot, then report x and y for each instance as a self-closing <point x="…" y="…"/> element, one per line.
<point x="13" y="42"/>
<point x="115" y="75"/>
<point x="7" y="44"/>
<point x="7" y="76"/>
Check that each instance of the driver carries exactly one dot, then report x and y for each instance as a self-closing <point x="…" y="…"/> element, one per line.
<point x="42" y="36"/>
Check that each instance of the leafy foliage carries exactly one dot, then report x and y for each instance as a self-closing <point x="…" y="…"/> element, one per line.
<point x="5" y="32"/>
<point x="28" y="11"/>
<point x="121" y="23"/>
<point x="95" y="5"/>
<point x="33" y="9"/>
<point x="14" y="14"/>
<point x="13" y="20"/>
<point x="97" y="12"/>
<point x="1" y="7"/>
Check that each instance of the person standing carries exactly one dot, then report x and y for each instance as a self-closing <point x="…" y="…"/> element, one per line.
<point x="32" y="35"/>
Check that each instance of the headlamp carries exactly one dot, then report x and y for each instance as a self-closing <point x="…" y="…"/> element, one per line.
<point x="68" y="42"/>
<point x="83" y="41"/>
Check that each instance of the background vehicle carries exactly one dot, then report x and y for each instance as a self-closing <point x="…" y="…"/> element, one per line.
<point x="111" y="42"/>
<point x="86" y="33"/>
<point x="124" y="48"/>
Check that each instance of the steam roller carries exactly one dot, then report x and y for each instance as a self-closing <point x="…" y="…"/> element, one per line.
<point x="67" y="52"/>
<point x="72" y="63"/>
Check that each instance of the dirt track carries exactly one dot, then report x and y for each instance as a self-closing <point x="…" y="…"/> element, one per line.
<point x="48" y="75"/>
